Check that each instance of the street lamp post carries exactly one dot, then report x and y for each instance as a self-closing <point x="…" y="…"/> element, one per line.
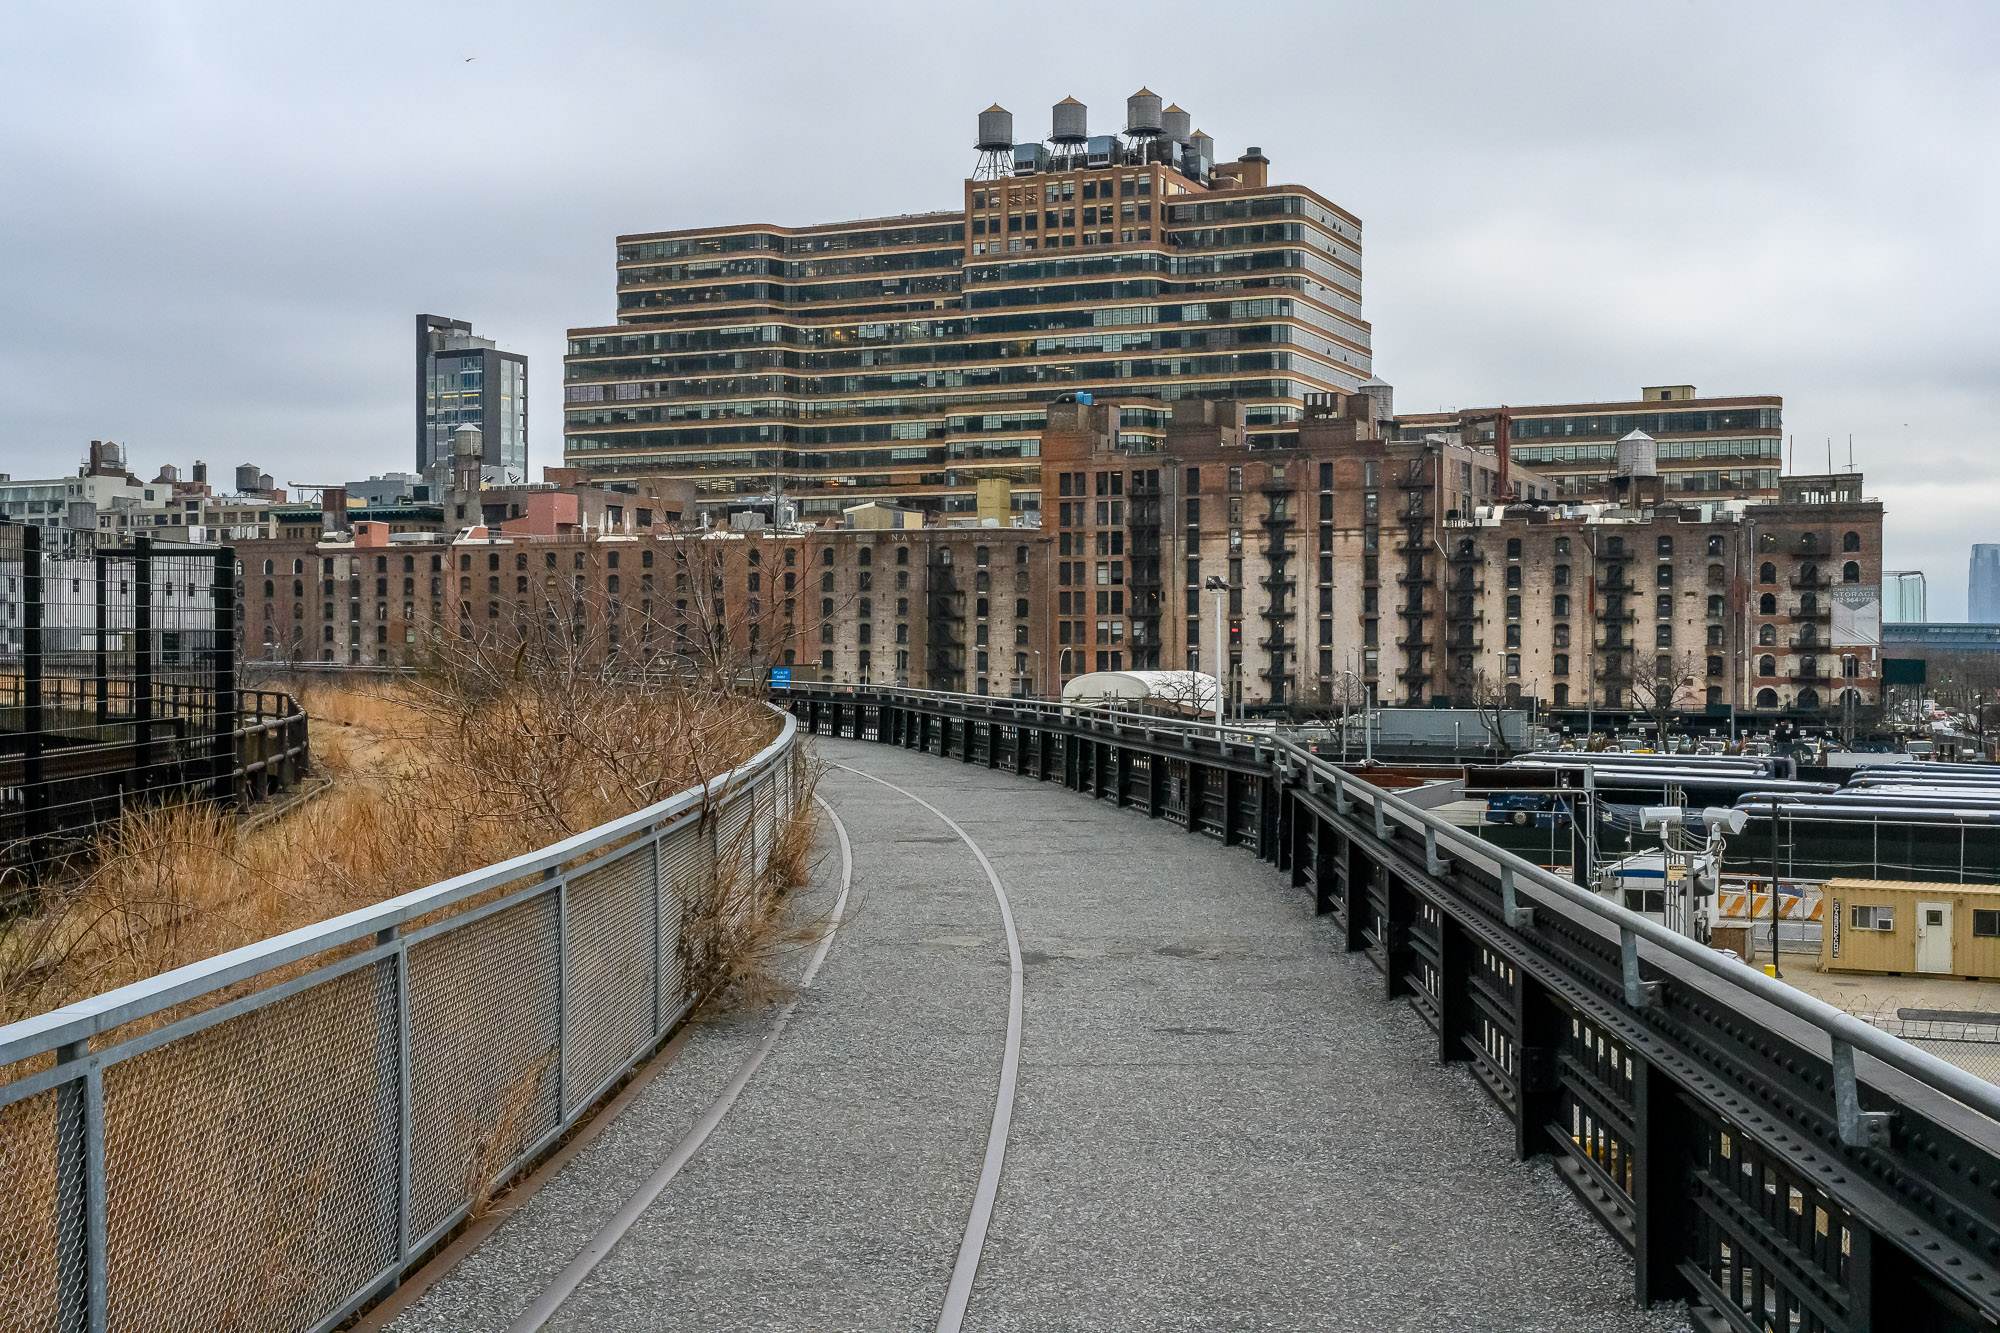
<point x="1219" y="588"/>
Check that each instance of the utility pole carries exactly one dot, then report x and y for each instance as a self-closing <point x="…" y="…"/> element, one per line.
<point x="1776" y="969"/>
<point x="1220" y="589"/>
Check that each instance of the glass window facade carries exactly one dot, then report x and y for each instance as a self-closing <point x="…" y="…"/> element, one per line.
<point x="907" y="359"/>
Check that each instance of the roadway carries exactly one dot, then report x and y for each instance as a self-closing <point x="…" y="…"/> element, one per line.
<point x="1217" y="1121"/>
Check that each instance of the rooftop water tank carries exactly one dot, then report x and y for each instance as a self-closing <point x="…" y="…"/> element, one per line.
<point x="1071" y="122"/>
<point x="1142" y="113"/>
<point x="1638" y="456"/>
<point x="1177" y="124"/>
<point x="996" y="129"/>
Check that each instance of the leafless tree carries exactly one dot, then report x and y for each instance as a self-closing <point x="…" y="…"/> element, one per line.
<point x="1665" y="685"/>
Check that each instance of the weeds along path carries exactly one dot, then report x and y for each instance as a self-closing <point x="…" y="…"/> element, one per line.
<point x="426" y="785"/>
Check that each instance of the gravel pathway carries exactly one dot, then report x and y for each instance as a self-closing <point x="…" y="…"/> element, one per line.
<point x="1219" y="1123"/>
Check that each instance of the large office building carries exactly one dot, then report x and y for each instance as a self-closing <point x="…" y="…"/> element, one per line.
<point x="1708" y="448"/>
<point x="1982" y="588"/>
<point x="463" y="380"/>
<point x="909" y="358"/>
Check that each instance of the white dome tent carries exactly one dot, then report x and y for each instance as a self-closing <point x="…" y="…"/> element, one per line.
<point x="1180" y="693"/>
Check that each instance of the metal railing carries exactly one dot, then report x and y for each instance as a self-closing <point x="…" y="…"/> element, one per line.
<point x="267" y="1139"/>
<point x="118" y="684"/>
<point x="1760" y="1153"/>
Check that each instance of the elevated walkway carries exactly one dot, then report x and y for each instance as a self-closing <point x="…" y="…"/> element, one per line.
<point x="1217" y="1121"/>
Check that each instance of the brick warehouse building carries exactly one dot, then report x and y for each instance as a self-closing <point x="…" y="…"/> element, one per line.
<point x="1355" y="555"/>
<point x="941" y="607"/>
<point x="1350" y="560"/>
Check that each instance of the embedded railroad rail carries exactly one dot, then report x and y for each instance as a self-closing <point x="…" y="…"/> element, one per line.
<point x="1771" y="1160"/>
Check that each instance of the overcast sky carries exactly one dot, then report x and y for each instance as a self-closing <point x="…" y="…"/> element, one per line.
<point x="218" y="221"/>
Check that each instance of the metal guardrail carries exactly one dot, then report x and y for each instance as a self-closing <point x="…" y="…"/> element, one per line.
<point x="314" y="1112"/>
<point x="119" y="685"/>
<point x="1771" y="1158"/>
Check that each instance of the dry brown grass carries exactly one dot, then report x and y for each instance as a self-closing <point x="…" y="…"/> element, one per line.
<point x="432" y="779"/>
<point x="732" y="928"/>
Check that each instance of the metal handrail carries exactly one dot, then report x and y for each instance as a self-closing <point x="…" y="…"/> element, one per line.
<point x="1840" y="1027"/>
<point x="84" y="1019"/>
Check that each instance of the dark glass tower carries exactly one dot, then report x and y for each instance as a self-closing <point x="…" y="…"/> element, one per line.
<point x="465" y="380"/>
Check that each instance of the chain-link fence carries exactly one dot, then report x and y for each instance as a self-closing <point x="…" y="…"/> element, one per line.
<point x="265" y="1141"/>
<point x="1968" y="1039"/>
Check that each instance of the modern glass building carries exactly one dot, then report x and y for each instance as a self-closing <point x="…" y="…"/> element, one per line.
<point x="466" y="380"/>
<point x="907" y="358"/>
<point x="1903" y="597"/>
<point x="1706" y="448"/>
<point x="1982" y="587"/>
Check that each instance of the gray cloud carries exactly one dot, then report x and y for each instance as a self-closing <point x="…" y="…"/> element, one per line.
<point x="217" y="221"/>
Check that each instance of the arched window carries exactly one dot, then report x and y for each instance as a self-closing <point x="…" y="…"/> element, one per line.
<point x="826" y="556"/>
<point x="1809" y="541"/>
<point x="1767" y="635"/>
<point x="267" y="568"/>
<point x="1851" y="572"/>
<point x="1715" y="543"/>
<point x="1465" y="548"/>
<point x="1807" y="699"/>
<point x="1808" y="604"/>
<point x="1851" y="542"/>
<point x="1767" y="605"/>
<point x="1808" y="666"/>
<point x="1850" y="699"/>
<point x="1767" y="573"/>
<point x="270" y="588"/>
<point x="1767" y="698"/>
<point x="298" y="587"/>
<point x="1561" y="576"/>
<point x="1767" y="665"/>
<point x="1808" y="575"/>
<point x="867" y="556"/>
<point x="1513" y="548"/>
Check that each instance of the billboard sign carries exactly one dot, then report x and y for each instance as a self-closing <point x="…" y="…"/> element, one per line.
<point x="1857" y="616"/>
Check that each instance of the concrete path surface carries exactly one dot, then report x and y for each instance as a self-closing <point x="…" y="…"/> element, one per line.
<point x="1218" y="1124"/>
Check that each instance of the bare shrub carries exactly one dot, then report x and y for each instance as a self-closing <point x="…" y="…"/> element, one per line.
<point x="496" y="751"/>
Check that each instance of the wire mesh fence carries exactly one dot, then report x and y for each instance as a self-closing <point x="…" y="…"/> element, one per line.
<point x="1969" y="1039"/>
<point x="265" y="1141"/>
<point x="118" y="683"/>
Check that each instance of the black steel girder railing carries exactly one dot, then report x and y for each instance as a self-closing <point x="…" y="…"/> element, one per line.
<point x="1762" y="1155"/>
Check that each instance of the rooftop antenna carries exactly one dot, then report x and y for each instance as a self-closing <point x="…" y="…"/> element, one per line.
<point x="1850" y="451"/>
<point x="1829" y="455"/>
<point x="1792" y="443"/>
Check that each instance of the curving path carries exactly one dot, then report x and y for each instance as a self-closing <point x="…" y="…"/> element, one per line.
<point x="1217" y="1124"/>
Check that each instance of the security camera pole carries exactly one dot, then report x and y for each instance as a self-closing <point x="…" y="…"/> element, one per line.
<point x="1218" y="587"/>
